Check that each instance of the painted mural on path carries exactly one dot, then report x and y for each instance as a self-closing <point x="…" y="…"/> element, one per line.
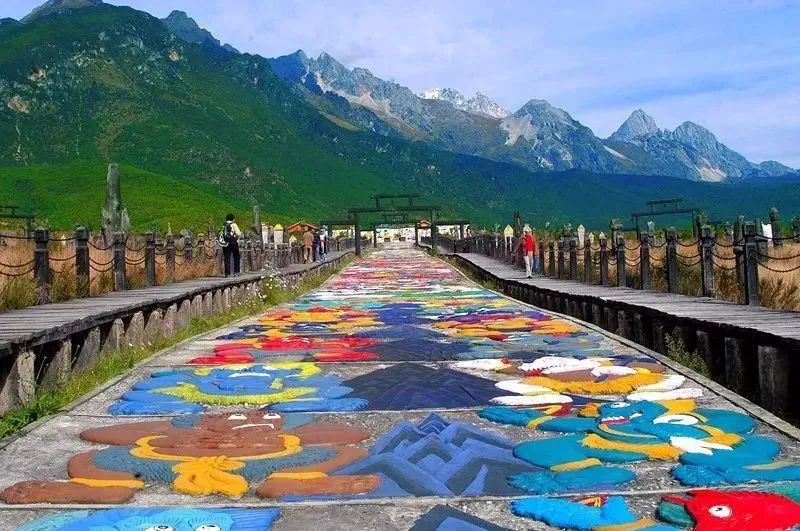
<point x="400" y="378"/>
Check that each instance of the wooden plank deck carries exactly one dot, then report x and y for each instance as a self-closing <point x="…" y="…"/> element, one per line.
<point x="782" y="325"/>
<point x="48" y="322"/>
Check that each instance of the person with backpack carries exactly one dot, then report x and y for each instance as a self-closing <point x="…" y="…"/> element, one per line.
<point x="229" y="241"/>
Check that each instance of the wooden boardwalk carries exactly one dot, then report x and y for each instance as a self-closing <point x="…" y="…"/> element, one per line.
<point x="781" y="325"/>
<point x="48" y="322"/>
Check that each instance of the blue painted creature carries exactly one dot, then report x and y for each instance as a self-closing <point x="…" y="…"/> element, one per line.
<point x="179" y="391"/>
<point x="593" y="513"/>
<point x="161" y="519"/>
<point x="713" y="447"/>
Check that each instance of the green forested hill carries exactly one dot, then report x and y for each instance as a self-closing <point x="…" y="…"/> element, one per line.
<point x="199" y="131"/>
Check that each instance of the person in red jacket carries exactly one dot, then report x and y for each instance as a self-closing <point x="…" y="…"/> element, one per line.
<point x="530" y="250"/>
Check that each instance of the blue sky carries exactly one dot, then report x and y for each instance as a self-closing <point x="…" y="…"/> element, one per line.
<point x="730" y="65"/>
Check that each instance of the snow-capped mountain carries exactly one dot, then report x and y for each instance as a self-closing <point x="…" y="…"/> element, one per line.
<point x="478" y="104"/>
<point x="538" y="136"/>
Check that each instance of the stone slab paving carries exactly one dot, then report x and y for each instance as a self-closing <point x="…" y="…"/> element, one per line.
<point x="400" y="395"/>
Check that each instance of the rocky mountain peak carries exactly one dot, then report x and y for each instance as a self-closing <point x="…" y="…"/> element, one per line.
<point x="695" y="135"/>
<point x="477" y="104"/>
<point x="59" y="7"/>
<point x="638" y="124"/>
<point x="188" y="30"/>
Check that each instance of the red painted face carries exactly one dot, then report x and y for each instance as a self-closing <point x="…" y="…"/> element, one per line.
<point x="745" y="510"/>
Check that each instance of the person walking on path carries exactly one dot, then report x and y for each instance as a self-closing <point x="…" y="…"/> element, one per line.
<point x="323" y="244"/>
<point x="229" y="241"/>
<point x="317" y="246"/>
<point x="308" y="243"/>
<point x="530" y="250"/>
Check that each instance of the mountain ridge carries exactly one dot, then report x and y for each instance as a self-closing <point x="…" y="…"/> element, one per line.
<point x="213" y="131"/>
<point x="538" y="137"/>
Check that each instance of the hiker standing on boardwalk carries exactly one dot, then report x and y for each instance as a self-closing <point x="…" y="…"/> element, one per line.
<point x="229" y="241"/>
<point x="529" y="242"/>
<point x="308" y="243"/>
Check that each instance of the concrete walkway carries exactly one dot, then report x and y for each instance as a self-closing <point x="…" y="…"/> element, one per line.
<point x="399" y="395"/>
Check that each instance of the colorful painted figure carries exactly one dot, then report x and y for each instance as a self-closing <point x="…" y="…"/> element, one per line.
<point x="551" y="379"/>
<point x="202" y="455"/>
<point x="162" y="519"/>
<point x="775" y="508"/>
<point x="178" y="391"/>
<point x="596" y="513"/>
<point x="268" y="345"/>
<point x="714" y="447"/>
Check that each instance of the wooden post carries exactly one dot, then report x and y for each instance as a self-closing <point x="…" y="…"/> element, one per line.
<point x="416" y="234"/>
<point x="752" y="296"/>
<point x="259" y="251"/>
<point x="774" y="219"/>
<point x="219" y="257"/>
<point x="82" y="261"/>
<point x="603" y="260"/>
<point x="41" y="263"/>
<point x="433" y="234"/>
<point x="169" y="257"/>
<point x="588" y="265"/>
<point x="561" y="272"/>
<point x="247" y="259"/>
<point x="201" y="248"/>
<point x="551" y="247"/>
<point x="621" y="269"/>
<point x="374" y="237"/>
<point x="188" y="248"/>
<point x="672" y="260"/>
<point x="358" y="234"/>
<point x="738" y="249"/>
<point x="644" y="260"/>
<point x="150" y="259"/>
<point x="540" y="249"/>
<point x="119" y="261"/>
<point x="573" y="257"/>
<point x="707" y="261"/>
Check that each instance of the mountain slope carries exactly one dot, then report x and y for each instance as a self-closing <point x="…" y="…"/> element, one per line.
<point x="538" y="136"/>
<point x="690" y="151"/>
<point x="200" y="131"/>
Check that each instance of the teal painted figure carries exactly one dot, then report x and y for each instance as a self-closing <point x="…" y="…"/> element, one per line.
<point x="594" y="513"/>
<point x="713" y="447"/>
<point x="158" y="520"/>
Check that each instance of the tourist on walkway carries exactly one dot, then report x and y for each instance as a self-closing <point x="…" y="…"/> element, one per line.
<point x="530" y="251"/>
<point x="317" y="246"/>
<point x="229" y="241"/>
<point x="308" y="243"/>
<point x="323" y="244"/>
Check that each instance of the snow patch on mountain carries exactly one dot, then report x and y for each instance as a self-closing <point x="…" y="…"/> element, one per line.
<point x="615" y="153"/>
<point x="477" y="104"/>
